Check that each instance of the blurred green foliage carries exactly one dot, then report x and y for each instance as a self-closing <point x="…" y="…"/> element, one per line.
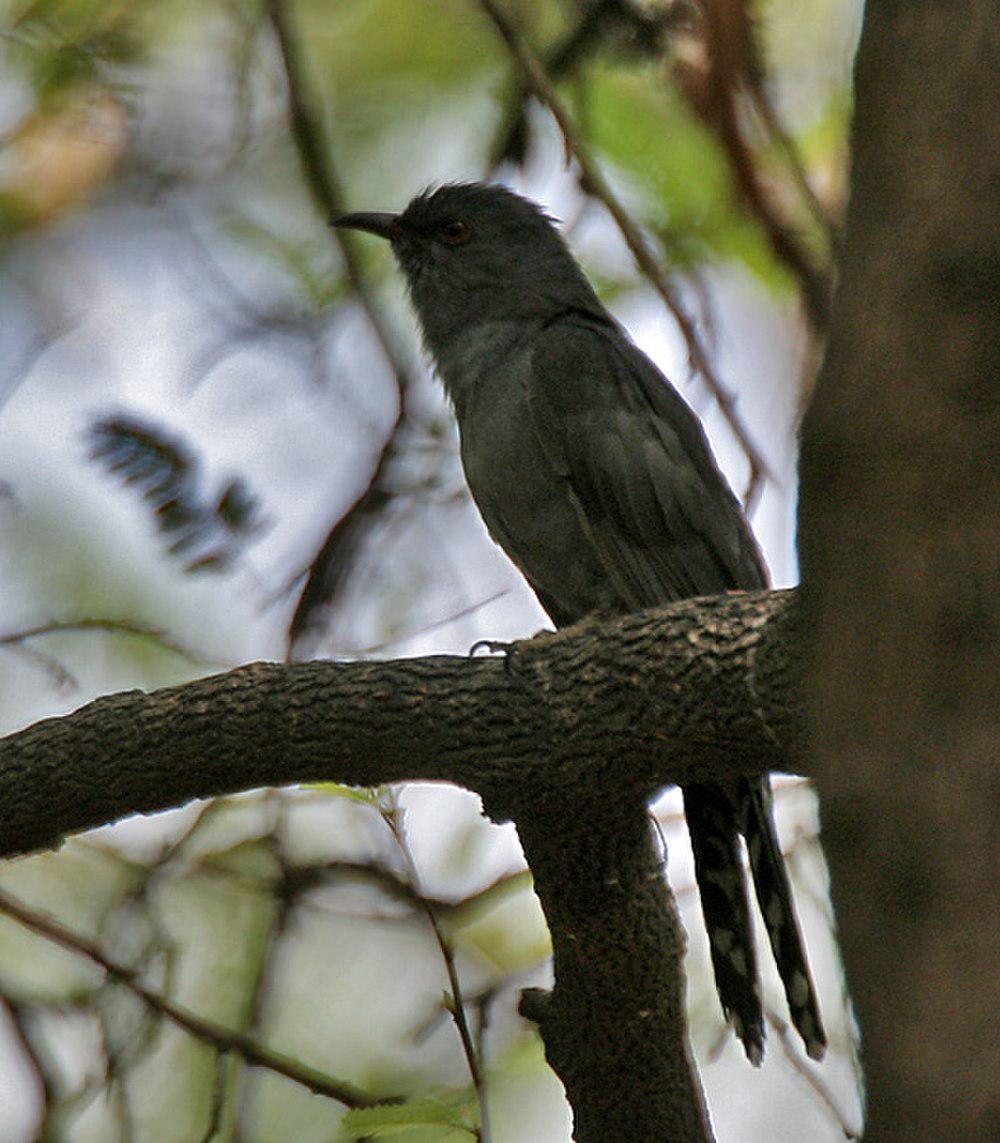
<point x="401" y="81"/>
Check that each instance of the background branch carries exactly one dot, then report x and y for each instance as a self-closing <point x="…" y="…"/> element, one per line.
<point x="732" y="67"/>
<point x="326" y="574"/>
<point x="209" y="1032"/>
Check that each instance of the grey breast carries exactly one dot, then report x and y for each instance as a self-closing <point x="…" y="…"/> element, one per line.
<point x="525" y="504"/>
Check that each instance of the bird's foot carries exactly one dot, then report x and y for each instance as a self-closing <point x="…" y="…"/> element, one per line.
<point x="493" y="646"/>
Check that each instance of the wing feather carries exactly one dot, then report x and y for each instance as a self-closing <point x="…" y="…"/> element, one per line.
<point x="638" y="468"/>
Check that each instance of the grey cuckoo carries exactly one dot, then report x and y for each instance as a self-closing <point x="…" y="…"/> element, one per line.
<point x="596" y="478"/>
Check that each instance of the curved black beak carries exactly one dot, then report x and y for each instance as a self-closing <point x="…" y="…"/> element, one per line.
<point x="384" y="225"/>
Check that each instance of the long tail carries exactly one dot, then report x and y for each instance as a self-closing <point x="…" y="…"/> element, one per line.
<point x="774" y="894"/>
<point x="714" y="825"/>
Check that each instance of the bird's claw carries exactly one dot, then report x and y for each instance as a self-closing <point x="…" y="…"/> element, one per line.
<point x="493" y="646"/>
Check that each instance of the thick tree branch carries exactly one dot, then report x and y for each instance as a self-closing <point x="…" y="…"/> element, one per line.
<point x="614" y="1025"/>
<point x="696" y="689"/>
<point x="568" y="734"/>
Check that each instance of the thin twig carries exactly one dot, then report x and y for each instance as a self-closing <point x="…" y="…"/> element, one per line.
<point x="221" y="1038"/>
<point x="266" y="953"/>
<point x="325" y="186"/>
<point x="303" y="879"/>
<point x="511" y="138"/>
<point x="122" y="1104"/>
<point x="218" y="1101"/>
<point x="484" y="1005"/>
<point x="322" y="178"/>
<point x="116" y="626"/>
<point x="19" y="1015"/>
<point x="809" y="1073"/>
<point x="730" y="50"/>
<point x="434" y="624"/>
<point x="793" y="160"/>
<point x="392" y="819"/>
<point x="593" y="182"/>
<point x="645" y="27"/>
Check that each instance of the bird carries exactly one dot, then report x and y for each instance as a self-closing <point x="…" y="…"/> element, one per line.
<point x="596" y="478"/>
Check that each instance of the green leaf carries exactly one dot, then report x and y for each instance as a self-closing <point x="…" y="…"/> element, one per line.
<point x="457" y="1117"/>
<point x="366" y="795"/>
<point x="644" y="128"/>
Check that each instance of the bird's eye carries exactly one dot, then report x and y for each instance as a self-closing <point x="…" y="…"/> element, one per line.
<point x="454" y="232"/>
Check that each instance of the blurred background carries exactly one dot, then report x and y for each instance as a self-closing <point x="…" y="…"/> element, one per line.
<point x="220" y="442"/>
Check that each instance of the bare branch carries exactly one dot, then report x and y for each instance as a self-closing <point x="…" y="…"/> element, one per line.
<point x="221" y="1038"/>
<point x="115" y="626"/>
<point x="821" y="216"/>
<point x="732" y="65"/>
<point x="327" y="571"/>
<point x="811" y="1074"/>
<point x="643" y="28"/>
<point x="321" y="175"/>
<point x="701" y="688"/>
<point x="19" y="1015"/>
<point x="393" y="818"/>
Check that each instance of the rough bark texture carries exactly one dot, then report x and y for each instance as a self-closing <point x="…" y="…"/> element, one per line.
<point x="898" y="542"/>
<point x="568" y="734"/>
<point x="607" y="903"/>
<point x="689" y="691"/>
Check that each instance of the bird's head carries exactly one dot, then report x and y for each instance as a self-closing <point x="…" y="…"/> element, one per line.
<point x="477" y="252"/>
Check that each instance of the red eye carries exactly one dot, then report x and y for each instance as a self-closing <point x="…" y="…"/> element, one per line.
<point x="455" y="232"/>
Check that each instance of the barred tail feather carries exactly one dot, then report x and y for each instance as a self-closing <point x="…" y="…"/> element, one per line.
<point x="774" y="894"/>
<point x="713" y="822"/>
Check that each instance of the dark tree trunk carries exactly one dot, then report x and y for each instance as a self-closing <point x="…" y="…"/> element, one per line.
<point x="898" y="541"/>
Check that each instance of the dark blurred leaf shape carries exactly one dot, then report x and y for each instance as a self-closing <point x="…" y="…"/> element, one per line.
<point x="205" y="528"/>
<point x="630" y="27"/>
<point x="329" y="571"/>
<point x="64" y="45"/>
